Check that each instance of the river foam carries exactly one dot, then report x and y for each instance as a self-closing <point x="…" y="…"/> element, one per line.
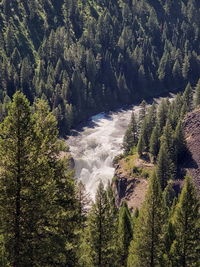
<point x="96" y="144"/>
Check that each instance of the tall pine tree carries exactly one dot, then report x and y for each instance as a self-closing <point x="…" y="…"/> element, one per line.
<point x="186" y="222"/>
<point x="124" y="233"/>
<point x="146" y="246"/>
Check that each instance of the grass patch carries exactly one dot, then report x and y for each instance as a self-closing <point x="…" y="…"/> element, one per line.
<point x="136" y="167"/>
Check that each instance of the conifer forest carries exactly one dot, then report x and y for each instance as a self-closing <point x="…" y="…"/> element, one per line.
<point x="99" y="133"/>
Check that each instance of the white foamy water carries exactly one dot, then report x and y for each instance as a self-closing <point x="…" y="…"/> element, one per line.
<point x="95" y="146"/>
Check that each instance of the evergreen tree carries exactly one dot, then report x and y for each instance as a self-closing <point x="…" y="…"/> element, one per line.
<point x="188" y="97"/>
<point x="155" y="142"/>
<point x="57" y="193"/>
<point x="142" y="114"/>
<point x="169" y="195"/>
<point x="37" y="195"/>
<point x="101" y="240"/>
<point x="162" y="113"/>
<point x="97" y="60"/>
<point x="186" y="222"/>
<point x="15" y="178"/>
<point x="140" y="146"/>
<point x="165" y="167"/>
<point x="179" y="142"/>
<point x="168" y="138"/>
<point x="130" y="137"/>
<point x="146" y="246"/>
<point x="149" y="123"/>
<point x="124" y="233"/>
<point x="168" y="239"/>
<point x="146" y="130"/>
<point x="186" y="67"/>
<point x="197" y="95"/>
<point x="84" y="202"/>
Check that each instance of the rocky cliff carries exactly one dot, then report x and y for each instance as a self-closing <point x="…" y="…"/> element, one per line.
<point x="130" y="180"/>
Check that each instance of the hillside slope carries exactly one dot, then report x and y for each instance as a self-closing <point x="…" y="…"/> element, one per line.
<point x="88" y="56"/>
<point x="192" y="133"/>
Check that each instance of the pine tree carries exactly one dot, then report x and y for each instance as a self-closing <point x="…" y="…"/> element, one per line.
<point x="37" y="197"/>
<point x="169" y="195"/>
<point x="165" y="168"/>
<point x="58" y="203"/>
<point x="174" y="114"/>
<point x="146" y="246"/>
<point x="140" y="146"/>
<point x="155" y="142"/>
<point x="168" y="239"/>
<point x="84" y="201"/>
<point x="130" y="137"/>
<point x="142" y="114"/>
<point x="188" y="97"/>
<point x="15" y="165"/>
<point x="179" y="142"/>
<point x="124" y="233"/>
<point x="26" y="73"/>
<point x="197" y="95"/>
<point x="186" y="222"/>
<point x="186" y="67"/>
<point x="162" y="113"/>
<point x="100" y="238"/>
<point x="149" y="123"/>
<point x="168" y="138"/>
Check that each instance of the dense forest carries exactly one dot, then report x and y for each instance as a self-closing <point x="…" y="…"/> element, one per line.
<point x="48" y="218"/>
<point x="62" y="61"/>
<point x="88" y="56"/>
<point x="157" y="133"/>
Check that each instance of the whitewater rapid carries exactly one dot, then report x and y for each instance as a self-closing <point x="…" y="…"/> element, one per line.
<point x="95" y="146"/>
<point x="97" y="143"/>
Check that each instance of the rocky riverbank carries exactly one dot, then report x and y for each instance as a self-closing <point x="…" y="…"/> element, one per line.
<point x="131" y="180"/>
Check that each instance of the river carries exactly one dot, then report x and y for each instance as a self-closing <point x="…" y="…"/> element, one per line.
<point x="97" y="143"/>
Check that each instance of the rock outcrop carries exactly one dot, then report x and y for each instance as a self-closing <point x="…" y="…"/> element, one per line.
<point x="129" y="186"/>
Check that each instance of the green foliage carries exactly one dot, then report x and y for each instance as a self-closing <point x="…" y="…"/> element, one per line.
<point x="169" y="194"/>
<point x="161" y="136"/>
<point x="165" y="167"/>
<point x="101" y="231"/>
<point x="146" y="246"/>
<point x="179" y="142"/>
<point x="131" y="135"/>
<point x="197" y="95"/>
<point x="37" y="198"/>
<point x="155" y="142"/>
<point x="124" y="233"/>
<point x="188" y="97"/>
<point x="85" y="57"/>
<point x="186" y="222"/>
<point x="140" y="146"/>
<point x="162" y="113"/>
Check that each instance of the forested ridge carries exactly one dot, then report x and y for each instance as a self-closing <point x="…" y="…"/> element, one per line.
<point x="60" y="62"/>
<point x="88" y="56"/>
<point x="48" y="219"/>
<point x="156" y="134"/>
